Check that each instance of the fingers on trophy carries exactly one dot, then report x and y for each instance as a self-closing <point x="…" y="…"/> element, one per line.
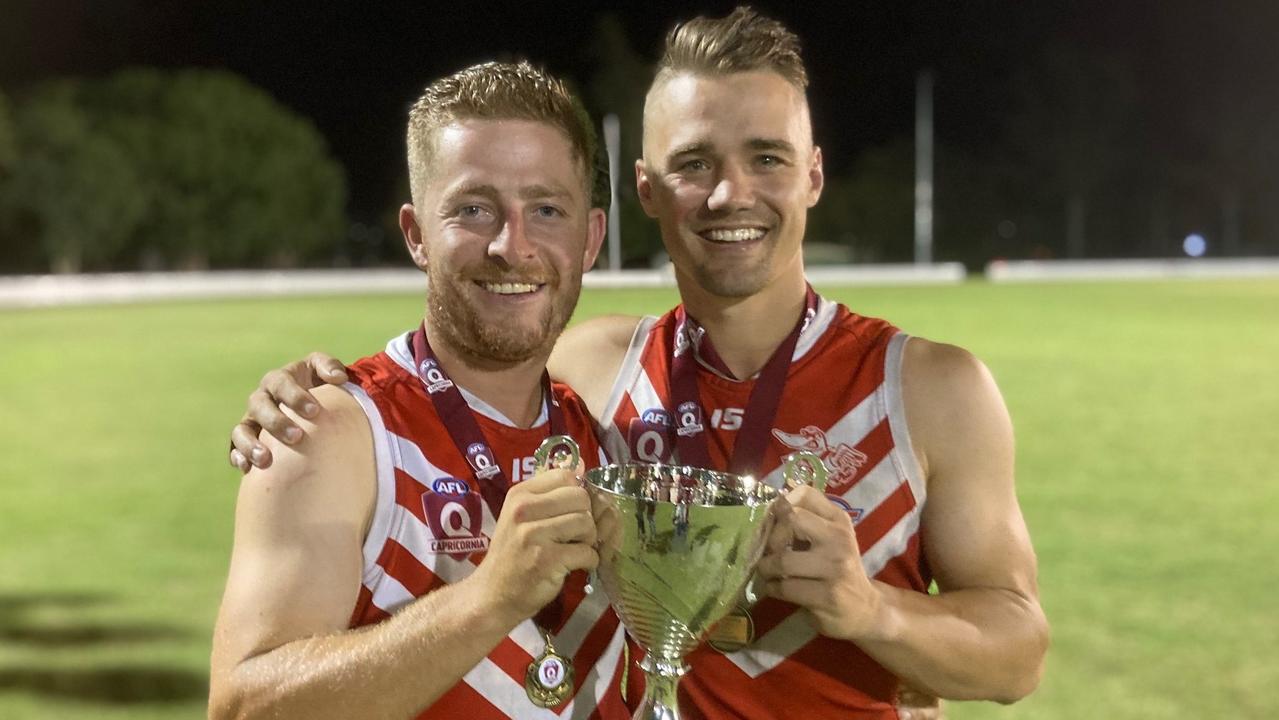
<point x="678" y="546"/>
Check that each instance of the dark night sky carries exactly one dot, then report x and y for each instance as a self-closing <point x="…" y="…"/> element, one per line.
<point x="353" y="71"/>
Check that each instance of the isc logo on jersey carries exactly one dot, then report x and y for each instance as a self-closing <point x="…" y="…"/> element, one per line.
<point x="433" y="377"/>
<point x="454" y="517"/>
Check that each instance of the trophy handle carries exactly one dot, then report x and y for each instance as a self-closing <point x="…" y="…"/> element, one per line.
<point x="804" y="468"/>
<point x="557" y="452"/>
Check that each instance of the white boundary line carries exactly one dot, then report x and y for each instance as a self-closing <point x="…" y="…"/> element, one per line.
<point x="110" y="288"/>
<point x="1074" y="270"/>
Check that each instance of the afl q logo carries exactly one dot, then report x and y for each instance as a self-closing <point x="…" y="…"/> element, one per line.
<point x="453" y="515"/>
<point x="433" y="377"/>
<point x="647" y="436"/>
<point x="689" y="418"/>
<point x="482" y="460"/>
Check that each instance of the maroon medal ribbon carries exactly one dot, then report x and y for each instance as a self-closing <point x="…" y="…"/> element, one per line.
<point x="469" y="438"/>
<point x="761" y="408"/>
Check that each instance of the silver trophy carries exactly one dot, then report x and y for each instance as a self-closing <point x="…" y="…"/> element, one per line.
<point x="677" y="547"/>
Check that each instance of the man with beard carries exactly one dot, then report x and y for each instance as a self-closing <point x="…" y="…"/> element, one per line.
<point x="754" y="365"/>
<point x="386" y="566"/>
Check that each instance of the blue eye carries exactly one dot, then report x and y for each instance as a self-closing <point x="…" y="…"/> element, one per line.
<point x="695" y="165"/>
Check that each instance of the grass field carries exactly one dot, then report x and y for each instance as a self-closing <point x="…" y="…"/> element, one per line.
<point x="1146" y="416"/>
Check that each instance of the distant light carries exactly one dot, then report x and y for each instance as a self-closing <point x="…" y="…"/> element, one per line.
<point x="1195" y="245"/>
<point x="1007" y="229"/>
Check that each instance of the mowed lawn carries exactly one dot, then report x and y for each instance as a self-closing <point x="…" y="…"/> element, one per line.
<point x="1146" y="416"/>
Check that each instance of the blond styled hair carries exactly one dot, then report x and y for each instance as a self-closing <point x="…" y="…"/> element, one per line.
<point x="742" y="41"/>
<point x="499" y="91"/>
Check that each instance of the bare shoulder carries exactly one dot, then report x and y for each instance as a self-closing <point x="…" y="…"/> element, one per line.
<point x="333" y="463"/>
<point x="589" y="354"/>
<point x="953" y="404"/>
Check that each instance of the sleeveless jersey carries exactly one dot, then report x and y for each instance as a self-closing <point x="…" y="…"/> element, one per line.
<point x="431" y="526"/>
<point x="843" y="401"/>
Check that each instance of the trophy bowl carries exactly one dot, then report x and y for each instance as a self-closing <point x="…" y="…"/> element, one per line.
<point x="677" y="546"/>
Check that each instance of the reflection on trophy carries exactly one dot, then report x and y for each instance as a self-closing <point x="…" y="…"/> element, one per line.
<point x="677" y="547"/>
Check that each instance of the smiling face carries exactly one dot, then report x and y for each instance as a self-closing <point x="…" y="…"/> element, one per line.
<point x="504" y="230"/>
<point x="729" y="172"/>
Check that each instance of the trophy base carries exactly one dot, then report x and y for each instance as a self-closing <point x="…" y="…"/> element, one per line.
<point x="661" y="689"/>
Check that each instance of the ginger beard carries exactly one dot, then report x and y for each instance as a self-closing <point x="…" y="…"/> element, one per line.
<point x="482" y="334"/>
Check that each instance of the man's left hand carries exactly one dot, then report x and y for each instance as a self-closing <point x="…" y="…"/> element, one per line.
<point x="813" y="561"/>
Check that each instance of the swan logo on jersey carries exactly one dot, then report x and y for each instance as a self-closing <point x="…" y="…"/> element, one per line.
<point x="842" y="460"/>
<point x="688" y="418"/>
<point x="433" y="377"/>
<point x="482" y="460"/>
<point x="453" y="517"/>
<point x="648" y="436"/>
<point x="854" y="514"/>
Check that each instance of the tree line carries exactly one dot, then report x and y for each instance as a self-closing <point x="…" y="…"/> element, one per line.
<point x="161" y="169"/>
<point x="192" y="169"/>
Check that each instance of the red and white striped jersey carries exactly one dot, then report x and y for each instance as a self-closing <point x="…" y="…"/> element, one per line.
<point x="843" y="401"/>
<point x="431" y="526"/>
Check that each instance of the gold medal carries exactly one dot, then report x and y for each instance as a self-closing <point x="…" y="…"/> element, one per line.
<point x="549" y="679"/>
<point x="734" y="632"/>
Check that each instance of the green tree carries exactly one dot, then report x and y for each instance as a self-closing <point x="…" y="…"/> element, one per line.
<point x="8" y="147"/>
<point x="231" y="176"/>
<point x="71" y="188"/>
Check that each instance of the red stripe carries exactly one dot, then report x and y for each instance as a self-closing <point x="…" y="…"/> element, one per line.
<point x="462" y="701"/>
<point x="876" y="445"/>
<point x="366" y="613"/>
<point x="408" y="494"/>
<point x="879" y="521"/>
<point x="625" y="413"/>
<point x="400" y="564"/>
<point x="511" y="658"/>
<point x="594" y="645"/>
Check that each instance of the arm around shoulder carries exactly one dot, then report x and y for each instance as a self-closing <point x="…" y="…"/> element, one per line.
<point x="589" y="355"/>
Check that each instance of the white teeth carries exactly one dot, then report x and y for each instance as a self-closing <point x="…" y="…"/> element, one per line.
<point x="509" y="288"/>
<point x="736" y="235"/>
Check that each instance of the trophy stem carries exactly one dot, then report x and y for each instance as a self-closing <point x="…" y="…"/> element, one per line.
<point x="661" y="689"/>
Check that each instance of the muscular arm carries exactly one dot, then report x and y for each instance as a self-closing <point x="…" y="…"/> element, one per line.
<point x="281" y="646"/>
<point x="984" y="636"/>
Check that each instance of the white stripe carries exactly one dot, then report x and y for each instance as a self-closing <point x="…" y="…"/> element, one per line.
<point x="893" y="543"/>
<point x="508" y="696"/>
<point x="903" y="450"/>
<point x="383" y="465"/>
<point x="644" y="397"/>
<point x="614" y="439"/>
<point x="817" y="328"/>
<point x="390" y="595"/>
<point x="770" y="649"/>
<point x="600" y="676"/>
